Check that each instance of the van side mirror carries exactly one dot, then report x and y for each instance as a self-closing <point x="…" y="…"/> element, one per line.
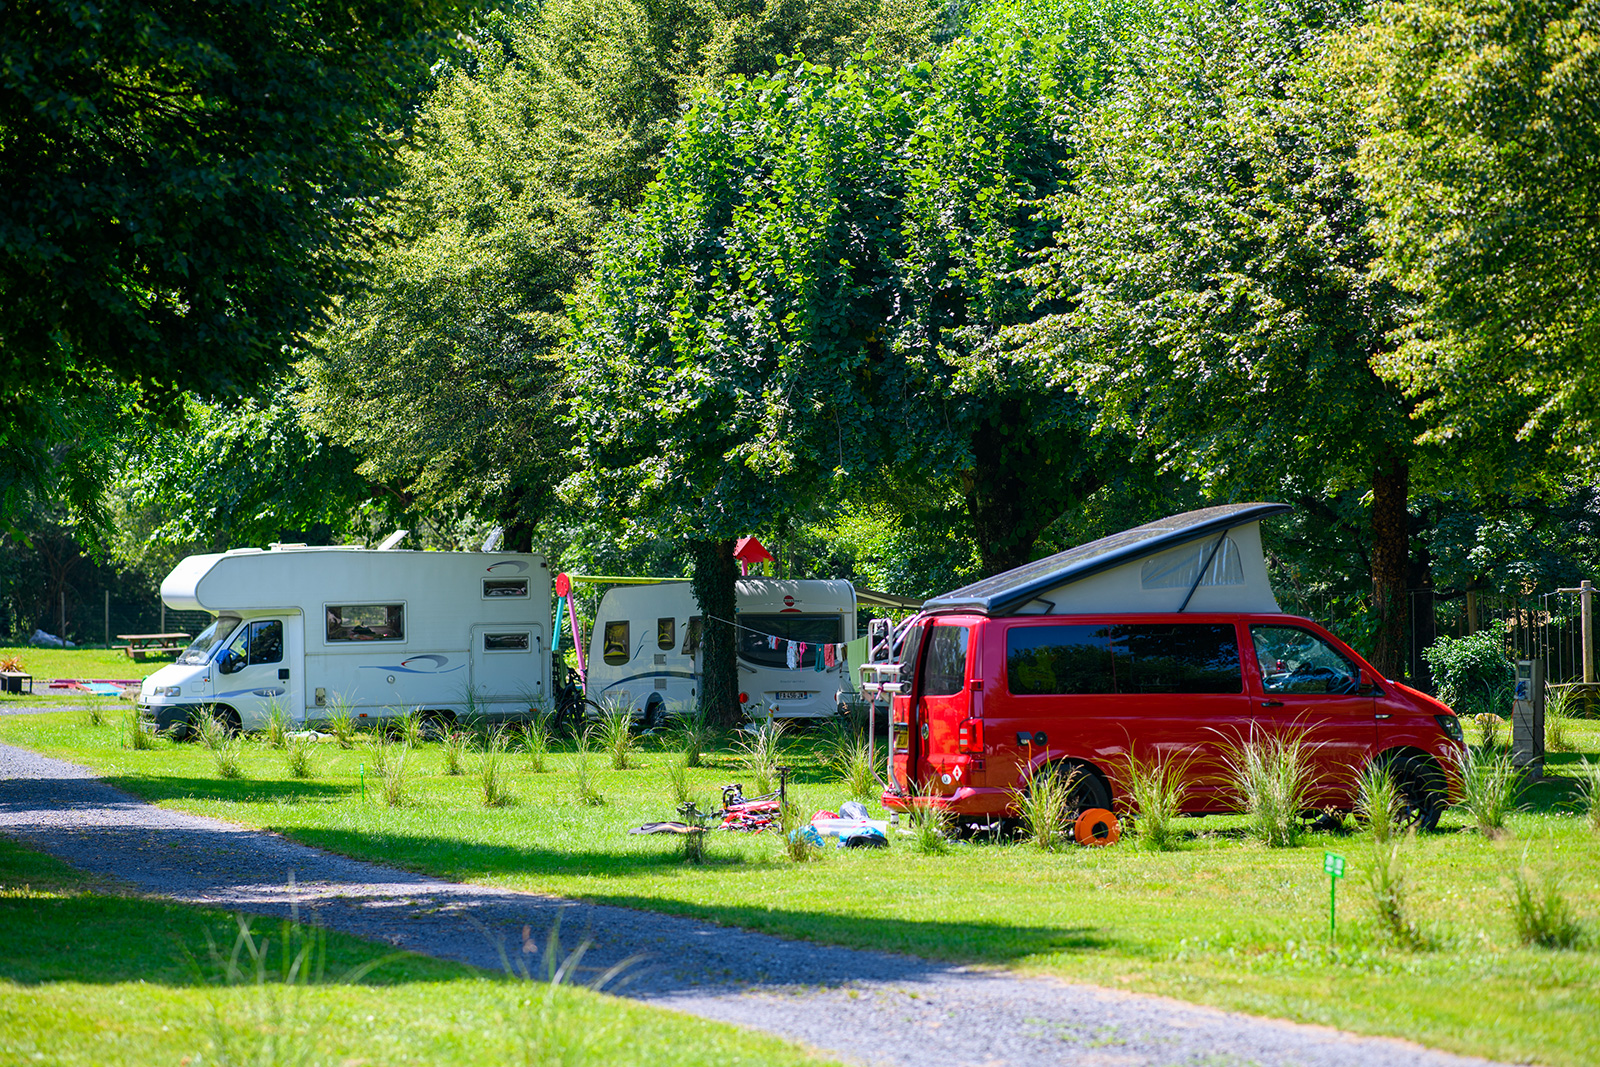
<point x="1369" y="686"/>
<point x="230" y="662"/>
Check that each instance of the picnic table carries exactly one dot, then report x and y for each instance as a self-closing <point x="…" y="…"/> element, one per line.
<point x="140" y="645"/>
<point x="11" y="681"/>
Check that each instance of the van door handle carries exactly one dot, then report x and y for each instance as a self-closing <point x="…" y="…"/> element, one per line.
<point x="1272" y="703"/>
<point x="1383" y="715"/>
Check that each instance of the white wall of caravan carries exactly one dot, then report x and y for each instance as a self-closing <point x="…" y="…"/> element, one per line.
<point x="669" y="676"/>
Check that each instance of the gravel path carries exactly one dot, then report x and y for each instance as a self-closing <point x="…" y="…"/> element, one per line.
<point x="866" y="1007"/>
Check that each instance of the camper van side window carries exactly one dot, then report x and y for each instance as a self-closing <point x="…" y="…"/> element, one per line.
<point x="1059" y="659"/>
<point x="494" y="588"/>
<point x="617" y="648"/>
<point x="514" y="642"/>
<point x="691" y="637"/>
<point x="1181" y="658"/>
<point x="266" y="641"/>
<point x="944" y="664"/>
<point x="366" y="622"/>
<point x="666" y="633"/>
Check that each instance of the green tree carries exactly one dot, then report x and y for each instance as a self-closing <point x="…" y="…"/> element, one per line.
<point x="811" y="297"/>
<point x="1213" y="274"/>
<point x="1482" y="155"/>
<point x="185" y="185"/>
<point x="443" y="374"/>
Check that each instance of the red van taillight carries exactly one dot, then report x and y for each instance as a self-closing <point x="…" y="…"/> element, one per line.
<point x="969" y="736"/>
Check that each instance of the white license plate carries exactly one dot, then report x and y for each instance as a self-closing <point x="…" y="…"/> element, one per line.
<point x="793" y="694"/>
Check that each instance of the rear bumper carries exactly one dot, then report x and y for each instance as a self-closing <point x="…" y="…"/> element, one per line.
<point x="966" y="800"/>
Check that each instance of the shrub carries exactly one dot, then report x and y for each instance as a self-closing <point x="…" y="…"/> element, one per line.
<point x="1490" y="788"/>
<point x="1273" y="778"/>
<point x="1157" y="788"/>
<point x="763" y="752"/>
<point x="1473" y="674"/>
<point x="492" y="771"/>
<point x="1042" y="806"/>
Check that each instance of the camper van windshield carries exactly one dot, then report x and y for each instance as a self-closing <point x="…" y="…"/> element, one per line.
<point x="756" y="633"/>
<point x="200" y="649"/>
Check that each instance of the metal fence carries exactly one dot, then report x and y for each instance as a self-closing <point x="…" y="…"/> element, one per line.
<point x="94" y="617"/>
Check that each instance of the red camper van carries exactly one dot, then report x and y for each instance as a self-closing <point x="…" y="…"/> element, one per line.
<point x="1164" y="640"/>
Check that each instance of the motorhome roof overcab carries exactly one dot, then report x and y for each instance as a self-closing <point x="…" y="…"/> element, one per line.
<point x="644" y="653"/>
<point x="383" y="632"/>
<point x="1164" y="641"/>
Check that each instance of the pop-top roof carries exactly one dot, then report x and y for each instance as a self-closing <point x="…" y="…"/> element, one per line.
<point x="1004" y="593"/>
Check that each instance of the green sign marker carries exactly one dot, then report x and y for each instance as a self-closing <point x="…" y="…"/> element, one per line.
<point x="1333" y="866"/>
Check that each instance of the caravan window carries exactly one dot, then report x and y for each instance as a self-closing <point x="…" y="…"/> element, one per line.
<point x="691" y="637"/>
<point x="494" y="588"/>
<point x="513" y="642"/>
<point x="755" y="630"/>
<point x="616" y="647"/>
<point x="666" y="633"/>
<point x="366" y="622"/>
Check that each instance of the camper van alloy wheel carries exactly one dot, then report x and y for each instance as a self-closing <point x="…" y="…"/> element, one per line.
<point x="1422" y="789"/>
<point x="1088" y="788"/>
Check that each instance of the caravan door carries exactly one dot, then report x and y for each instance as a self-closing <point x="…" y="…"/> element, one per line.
<point x="505" y="664"/>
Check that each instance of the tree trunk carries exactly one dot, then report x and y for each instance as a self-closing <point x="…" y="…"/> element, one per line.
<point x="1424" y="621"/>
<point x="714" y="575"/>
<point x="1390" y="554"/>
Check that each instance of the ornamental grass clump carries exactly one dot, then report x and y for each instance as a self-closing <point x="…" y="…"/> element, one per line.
<point x="341" y="721"/>
<point x="1540" y="910"/>
<point x="694" y="735"/>
<point x="391" y="765"/>
<point x="1558" y="718"/>
<point x="1589" y="792"/>
<point x="851" y="760"/>
<point x="1378" y="801"/>
<point x="1273" y="778"/>
<point x="762" y="752"/>
<point x="454" y="746"/>
<point x="297" y="756"/>
<point x="1491" y="788"/>
<point x="493" y="779"/>
<point x="798" y="845"/>
<point x="1487" y="727"/>
<point x="536" y="743"/>
<point x="583" y="783"/>
<point x="615" y="735"/>
<point x="1386" y="882"/>
<point x="1044" y="807"/>
<point x="94" y="712"/>
<point x="678" y="785"/>
<point x="275" y="730"/>
<point x="930" y="827"/>
<point x="1157" y="789"/>
<point x="134" y="734"/>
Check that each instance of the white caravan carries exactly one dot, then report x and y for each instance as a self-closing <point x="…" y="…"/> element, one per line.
<point x="644" y="653"/>
<point x="384" y="631"/>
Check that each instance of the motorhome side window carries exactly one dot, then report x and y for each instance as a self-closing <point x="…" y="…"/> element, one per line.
<point x="1187" y="658"/>
<point x="691" y="637"/>
<point x="944" y="664"/>
<point x="756" y="634"/>
<point x="617" y="647"/>
<point x="666" y="633"/>
<point x="493" y="588"/>
<point x="258" y="642"/>
<point x="512" y="642"/>
<point x="366" y="622"/>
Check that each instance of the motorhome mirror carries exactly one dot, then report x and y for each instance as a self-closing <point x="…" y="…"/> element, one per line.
<point x="230" y="662"/>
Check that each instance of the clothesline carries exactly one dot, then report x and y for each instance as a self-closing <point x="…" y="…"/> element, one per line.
<point x="830" y="653"/>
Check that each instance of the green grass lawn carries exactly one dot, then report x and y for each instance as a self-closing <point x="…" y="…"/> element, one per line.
<point x="91" y="978"/>
<point x="1222" y="921"/>
<point x="48" y="663"/>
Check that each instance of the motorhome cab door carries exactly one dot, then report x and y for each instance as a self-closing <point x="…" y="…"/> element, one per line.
<point x="256" y="669"/>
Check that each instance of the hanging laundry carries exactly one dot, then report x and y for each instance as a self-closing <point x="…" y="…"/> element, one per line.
<point x="793" y="654"/>
<point x="828" y="654"/>
<point x="821" y="666"/>
<point x="772" y="641"/>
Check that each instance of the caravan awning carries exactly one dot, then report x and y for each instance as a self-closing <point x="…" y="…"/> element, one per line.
<point x="1005" y="593"/>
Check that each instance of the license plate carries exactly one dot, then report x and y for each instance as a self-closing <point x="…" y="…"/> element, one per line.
<point x="793" y="694"/>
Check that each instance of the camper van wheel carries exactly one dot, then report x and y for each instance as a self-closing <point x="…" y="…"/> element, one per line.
<point x="1421" y="784"/>
<point x="227" y="717"/>
<point x="1086" y="789"/>
<point x="439" y="721"/>
<point x="652" y="714"/>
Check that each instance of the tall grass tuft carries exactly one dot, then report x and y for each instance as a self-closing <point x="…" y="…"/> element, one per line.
<point x="1540" y="910"/>
<point x="297" y="756"/>
<point x="762" y="751"/>
<point x="1273" y="777"/>
<point x="1157" y="789"/>
<point x="930" y="828"/>
<point x="409" y="727"/>
<point x="1378" y="801"/>
<point x="222" y="742"/>
<point x="1558" y="721"/>
<point x="678" y="785"/>
<point x="536" y="743"/>
<point x="694" y="735"/>
<point x="390" y="764"/>
<point x="492" y="771"/>
<point x="134" y="735"/>
<point x="583" y="783"/>
<point x="852" y="762"/>
<point x="615" y="735"/>
<point x="455" y="743"/>
<point x="798" y="846"/>
<point x="342" y="720"/>
<point x="546" y="1040"/>
<point x="1043" y="806"/>
<point x="1589" y="792"/>
<point x="1491" y="788"/>
<point x="209" y="729"/>
<point x="275" y="728"/>
<point x="1386" y="881"/>
<point x="94" y="712"/>
<point x="1487" y="725"/>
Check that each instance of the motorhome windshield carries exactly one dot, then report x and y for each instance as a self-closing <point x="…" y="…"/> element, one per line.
<point x="756" y="634"/>
<point x="200" y="649"/>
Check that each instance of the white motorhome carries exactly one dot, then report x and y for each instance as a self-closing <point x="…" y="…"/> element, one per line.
<point x="384" y="631"/>
<point x="644" y="653"/>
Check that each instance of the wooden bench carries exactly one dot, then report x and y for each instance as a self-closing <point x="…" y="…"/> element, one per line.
<point x="11" y="681"/>
<point x="141" y="645"/>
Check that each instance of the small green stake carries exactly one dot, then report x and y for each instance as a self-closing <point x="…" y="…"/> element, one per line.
<point x="363" y="783"/>
<point x="1333" y="864"/>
